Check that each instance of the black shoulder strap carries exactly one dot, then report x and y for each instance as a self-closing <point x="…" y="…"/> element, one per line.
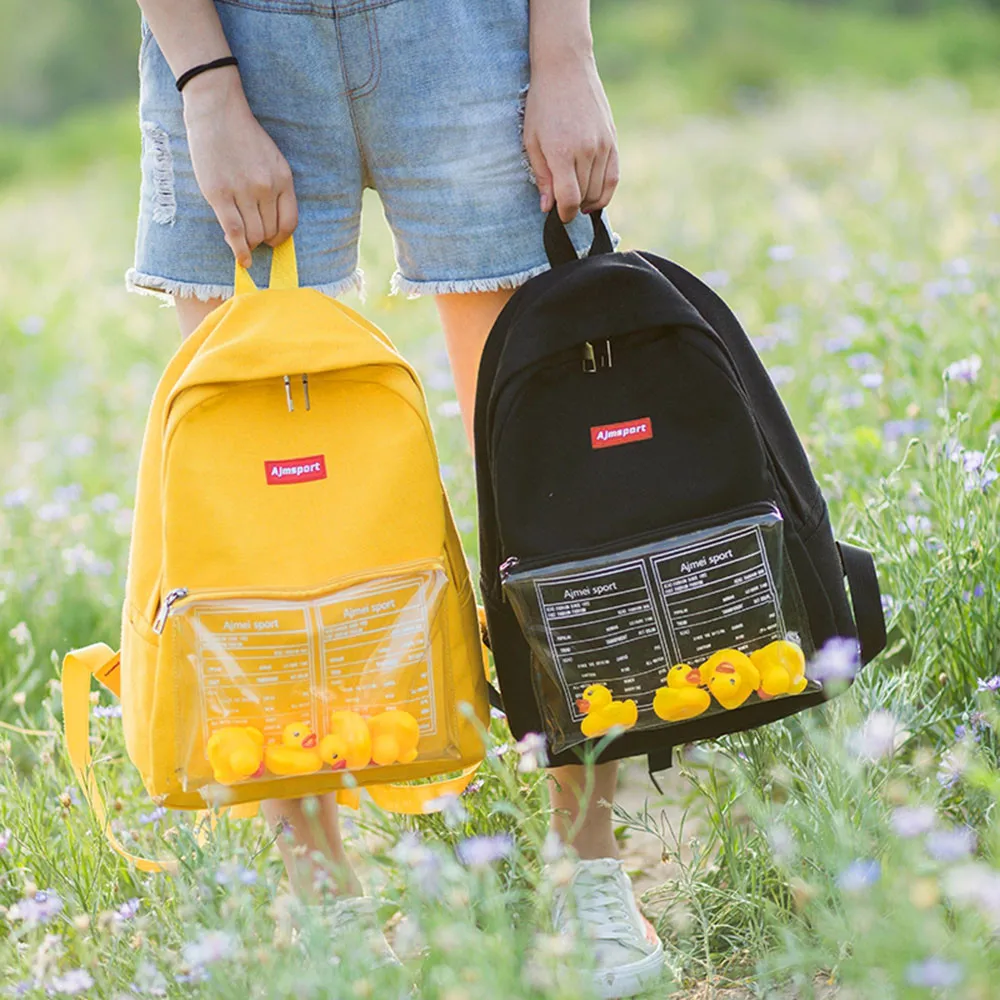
<point x="866" y="598"/>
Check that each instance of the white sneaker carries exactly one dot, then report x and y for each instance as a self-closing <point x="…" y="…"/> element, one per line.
<point x="599" y="904"/>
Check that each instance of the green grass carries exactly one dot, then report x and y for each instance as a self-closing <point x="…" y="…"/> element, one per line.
<point x="857" y="233"/>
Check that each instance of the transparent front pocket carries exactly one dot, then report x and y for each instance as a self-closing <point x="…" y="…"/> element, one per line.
<point x="664" y="629"/>
<point x="352" y="678"/>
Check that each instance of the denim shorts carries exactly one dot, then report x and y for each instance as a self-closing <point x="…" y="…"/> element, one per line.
<point x="421" y="100"/>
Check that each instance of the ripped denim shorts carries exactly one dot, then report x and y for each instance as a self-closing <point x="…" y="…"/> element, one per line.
<point x="421" y="100"/>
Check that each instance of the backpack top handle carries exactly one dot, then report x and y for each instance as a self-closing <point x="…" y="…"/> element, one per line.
<point x="284" y="270"/>
<point x="559" y="247"/>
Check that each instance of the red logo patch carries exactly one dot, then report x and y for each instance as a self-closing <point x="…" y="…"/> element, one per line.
<point x="608" y="435"/>
<point x="295" y="470"/>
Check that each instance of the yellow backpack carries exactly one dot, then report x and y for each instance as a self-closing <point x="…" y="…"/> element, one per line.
<point x="298" y="614"/>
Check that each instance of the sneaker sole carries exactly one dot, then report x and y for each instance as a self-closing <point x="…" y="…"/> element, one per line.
<point x="630" y="980"/>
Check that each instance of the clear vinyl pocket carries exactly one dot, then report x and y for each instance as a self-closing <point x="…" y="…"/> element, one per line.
<point x="353" y="677"/>
<point x="663" y="629"/>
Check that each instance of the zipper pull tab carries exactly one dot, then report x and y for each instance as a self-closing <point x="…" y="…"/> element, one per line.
<point x="288" y="393"/>
<point x="605" y="359"/>
<point x="507" y="566"/>
<point x="168" y="602"/>
<point x="305" y="388"/>
<point x="589" y="360"/>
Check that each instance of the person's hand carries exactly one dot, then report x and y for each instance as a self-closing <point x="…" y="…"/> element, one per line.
<point x="239" y="169"/>
<point x="569" y="134"/>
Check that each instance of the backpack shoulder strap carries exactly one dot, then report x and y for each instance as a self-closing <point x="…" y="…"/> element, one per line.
<point x="79" y="666"/>
<point x="866" y="599"/>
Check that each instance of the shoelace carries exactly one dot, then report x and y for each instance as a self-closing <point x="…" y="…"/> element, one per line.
<point x="601" y="906"/>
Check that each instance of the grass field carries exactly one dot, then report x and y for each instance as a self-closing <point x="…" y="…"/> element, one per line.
<point x="857" y="233"/>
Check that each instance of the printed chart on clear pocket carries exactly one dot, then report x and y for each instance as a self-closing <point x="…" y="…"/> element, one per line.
<point x="266" y="664"/>
<point x="627" y="623"/>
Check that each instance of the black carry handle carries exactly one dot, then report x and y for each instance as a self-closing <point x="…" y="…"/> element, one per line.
<point x="866" y="598"/>
<point x="559" y="247"/>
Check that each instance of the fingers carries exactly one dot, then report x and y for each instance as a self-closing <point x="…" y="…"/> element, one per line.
<point x="253" y="225"/>
<point x="611" y="176"/>
<point x="566" y="187"/>
<point x="288" y="216"/>
<point x="286" y="208"/>
<point x="234" y="231"/>
<point x="595" y="182"/>
<point x="543" y="176"/>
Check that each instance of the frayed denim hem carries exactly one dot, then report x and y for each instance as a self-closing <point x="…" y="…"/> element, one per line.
<point x="414" y="289"/>
<point x="168" y="289"/>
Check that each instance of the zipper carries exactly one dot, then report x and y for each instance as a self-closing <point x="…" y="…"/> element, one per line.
<point x="164" y="613"/>
<point x="512" y="563"/>
<point x="183" y="594"/>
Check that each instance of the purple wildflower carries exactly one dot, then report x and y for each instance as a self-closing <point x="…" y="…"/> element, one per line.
<point x="951" y="844"/>
<point x="107" y="711"/>
<point x="836" y="344"/>
<point x="478" y="852"/>
<point x="128" y="909"/>
<point x="978" y="590"/>
<point x="871" y="380"/>
<point x="951" y="769"/>
<point x="893" y="430"/>
<point x="859" y="875"/>
<point x="533" y="752"/>
<point x="960" y="732"/>
<point x="964" y="370"/>
<point x="37" y="909"/>
<point x="913" y="821"/>
<point x="154" y="817"/>
<point x="836" y="662"/>
<point x="863" y="362"/>
<point x="781" y="374"/>
<point x="473" y="787"/>
<point x="934" y="973"/>
<point x="423" y="862"/>
<point x="211" y="947"/>
<point x="73" y="982"/>
<point x="716" y="279"/>
<point x="878" y="737"/>
<point x="990" y="684"/>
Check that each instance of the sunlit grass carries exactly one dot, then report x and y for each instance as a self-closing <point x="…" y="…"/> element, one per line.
<point x="858" y="236"/>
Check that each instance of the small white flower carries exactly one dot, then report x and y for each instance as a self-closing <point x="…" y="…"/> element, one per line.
<point x="21" y="634"/>
<point x="879" y="737"/>
<point x="964" y="370"/>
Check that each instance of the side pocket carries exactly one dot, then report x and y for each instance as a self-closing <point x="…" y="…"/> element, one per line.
<point x="139" y="655"/>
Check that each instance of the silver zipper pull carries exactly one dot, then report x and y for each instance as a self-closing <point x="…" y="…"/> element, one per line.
<point x="506" y="567"/>
<point x="589" y="360"/>
<point x="168" y="602"/>
<point x="288" y="393"/>
<point x="605" y="361"/>
<point x="305" y="388"/>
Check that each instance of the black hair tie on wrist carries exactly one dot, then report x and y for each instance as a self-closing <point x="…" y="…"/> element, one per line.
<point x="185" y="78"/>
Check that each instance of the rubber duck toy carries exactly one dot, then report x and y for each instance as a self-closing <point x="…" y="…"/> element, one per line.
<point x="236" y="753"/>
<point x="782" y="666"/>
<point x="296" y="753"/>
<point x="394" y="737"/>
<point x="683" y="697"/>
<point x="731" y="677"/>
<point x="348" y="745"/>
<point x="601" y="711"/>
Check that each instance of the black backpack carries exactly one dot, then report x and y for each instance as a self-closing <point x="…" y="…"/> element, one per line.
<point x="655" y="552"/>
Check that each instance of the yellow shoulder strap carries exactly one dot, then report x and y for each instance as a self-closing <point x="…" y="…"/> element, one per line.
<point x="79" y="665"/>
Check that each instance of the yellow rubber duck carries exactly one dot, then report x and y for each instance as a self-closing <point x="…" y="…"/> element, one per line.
<point x="296" y="753"/>
<point x="395" y="734"/>
<point x="782" y="666"/>
<point x="731" y="677"/>
<point x="236" y="753"/>
<point x="683" y="697"/>
<point x="348" y="745"/>
<point x="601" y="711"/>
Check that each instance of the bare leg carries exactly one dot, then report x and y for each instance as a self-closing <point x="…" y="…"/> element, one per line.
<point x="467" y="320"/>
<point x="314" y="835"/>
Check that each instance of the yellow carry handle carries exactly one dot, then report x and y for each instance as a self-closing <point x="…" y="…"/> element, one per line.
<point x="284" y="270"/>
<point x="79" y="666"/>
